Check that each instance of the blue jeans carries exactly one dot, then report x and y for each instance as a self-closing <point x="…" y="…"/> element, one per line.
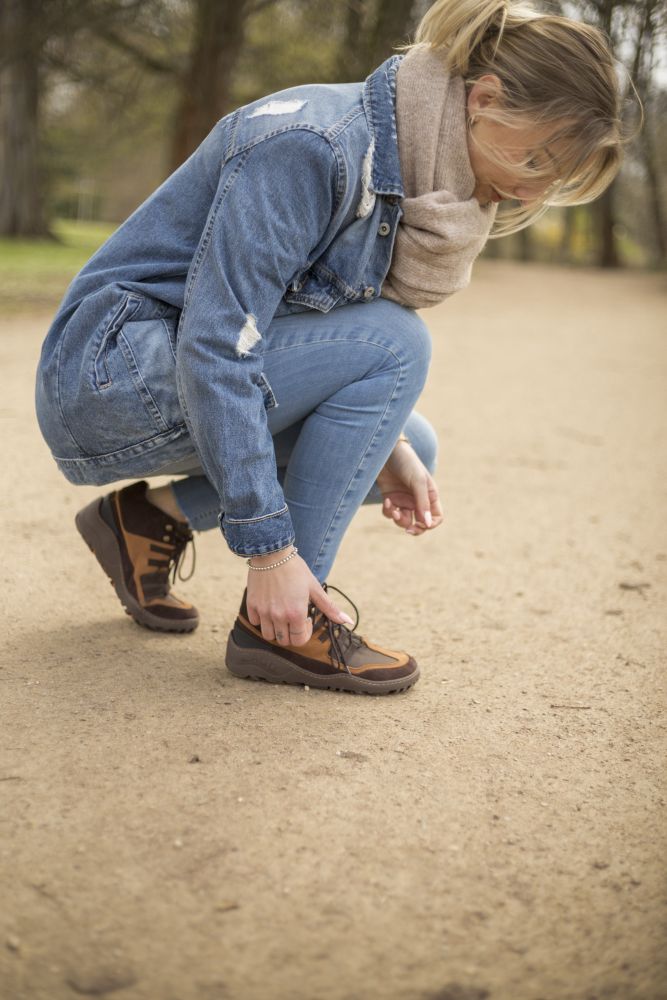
<point x="345" y="383"/>
<point x="339" y="387"/>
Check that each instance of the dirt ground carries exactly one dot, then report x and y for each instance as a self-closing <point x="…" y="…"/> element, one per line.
<point x="171" y="833"/>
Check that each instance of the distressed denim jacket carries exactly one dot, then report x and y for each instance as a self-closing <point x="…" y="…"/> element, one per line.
<point x="290" y="203"/>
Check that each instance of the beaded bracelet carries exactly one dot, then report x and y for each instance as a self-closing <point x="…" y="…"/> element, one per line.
<point x="261" y="569"/>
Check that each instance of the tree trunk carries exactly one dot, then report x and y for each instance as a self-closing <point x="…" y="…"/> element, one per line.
<point x="525" y="244"/>
<point x="654" y="192"/>
<point x="372" y="29"/>
<point x="21" y="209"/>
<point x="565" y="253"/>
<point x="350" y="64"/>
<point x="392" y="23"/>
<point x="607" y="250"/>
<point x="218" y="37"/>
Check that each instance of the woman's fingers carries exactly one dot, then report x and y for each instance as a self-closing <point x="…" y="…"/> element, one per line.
<point x="423" y="502"/>
<point x="321" y="600"/>
<point x="277" y="603"/>
<point x="300" y="631"/>
<point x="268" y="630"/>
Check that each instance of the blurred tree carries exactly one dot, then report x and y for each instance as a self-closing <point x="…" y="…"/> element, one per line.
<point x="205" y="73"/>
<point x="653" y="35"/>
<point x="636" y="28"/>
<point x="37" y="40"/>
<point x="373" y="28"/>
<point x="21" y="211"/>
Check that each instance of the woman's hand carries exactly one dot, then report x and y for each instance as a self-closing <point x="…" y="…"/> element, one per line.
<point x="410" y="495"/>
<point x="278" y="599"/>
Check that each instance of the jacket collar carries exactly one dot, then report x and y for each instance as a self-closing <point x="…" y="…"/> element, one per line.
<point x="379" y="98"/>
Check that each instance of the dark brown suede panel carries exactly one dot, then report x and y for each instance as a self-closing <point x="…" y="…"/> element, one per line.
<point x="383" y="674"/>
<point x="128" y="568"/>
<point x="172" y="611"/>
<point x="243" y="636"/>
<point x="141" y="526"/>
<point x="141" y="517"/>
<point x="249" y="640"/>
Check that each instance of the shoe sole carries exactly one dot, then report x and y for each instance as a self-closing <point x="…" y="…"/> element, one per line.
<point x="260" y="665"/>
<point x="103" y="543"/>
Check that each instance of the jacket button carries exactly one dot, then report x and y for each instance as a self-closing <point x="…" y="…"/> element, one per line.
<point x="384" y="229"/>
<point x="369" y="292"/>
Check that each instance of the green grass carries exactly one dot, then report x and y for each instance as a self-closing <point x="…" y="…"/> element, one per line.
<point x="35" y="273"/>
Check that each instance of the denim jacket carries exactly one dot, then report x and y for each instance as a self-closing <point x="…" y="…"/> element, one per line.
<point x="291" y="203"/>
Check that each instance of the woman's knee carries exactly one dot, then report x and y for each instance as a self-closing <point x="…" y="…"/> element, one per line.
<point x="406" y="333"/>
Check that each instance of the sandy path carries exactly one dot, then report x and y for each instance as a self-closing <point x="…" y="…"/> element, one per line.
<point x="498" y="832"/>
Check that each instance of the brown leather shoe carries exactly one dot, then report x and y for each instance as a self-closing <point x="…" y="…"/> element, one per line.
<point x="138" y="545"/>
<point x="334" y="657"/>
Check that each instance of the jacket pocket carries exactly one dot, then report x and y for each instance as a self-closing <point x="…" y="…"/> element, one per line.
<point x="130" y="396"/>
<point x="148" y="348"/>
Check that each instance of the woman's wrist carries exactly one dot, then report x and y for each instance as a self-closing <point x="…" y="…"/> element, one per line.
<point x="270" y="558"/>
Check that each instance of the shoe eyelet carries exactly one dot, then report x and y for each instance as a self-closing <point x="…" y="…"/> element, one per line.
<point x="166" y="538"/>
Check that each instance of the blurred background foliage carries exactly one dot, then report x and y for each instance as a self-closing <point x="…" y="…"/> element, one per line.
<point x="101" y="99"/>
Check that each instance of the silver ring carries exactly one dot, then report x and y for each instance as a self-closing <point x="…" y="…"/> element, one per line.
<point x="279" y="635"/>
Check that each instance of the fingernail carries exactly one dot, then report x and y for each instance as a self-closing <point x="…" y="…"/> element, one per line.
<point x="387" y="503"/>
<point x="428" y="518"/>
<point x="397" y="515"/>
<point x="346" y="618"/>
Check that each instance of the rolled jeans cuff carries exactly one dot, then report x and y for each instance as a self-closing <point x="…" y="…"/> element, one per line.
<point x="258" y="536"/>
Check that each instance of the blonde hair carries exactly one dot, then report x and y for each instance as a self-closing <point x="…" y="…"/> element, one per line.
<point x="556" y="73"/>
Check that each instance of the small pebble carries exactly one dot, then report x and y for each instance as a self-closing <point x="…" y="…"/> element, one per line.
<point x="226" y="906"/>
<point x="306" y="688"/>
<point x="13" y="943"/>
<point x="97" y="983"/>
<point x="178" y="843"/>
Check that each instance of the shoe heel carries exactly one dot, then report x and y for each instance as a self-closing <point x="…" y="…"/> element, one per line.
<point x="100" y="539"/>
<point x="256" y="665"/>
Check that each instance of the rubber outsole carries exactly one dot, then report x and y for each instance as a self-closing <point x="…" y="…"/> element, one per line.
<point x="103" y="543"/>
<point x="258" y="665"/>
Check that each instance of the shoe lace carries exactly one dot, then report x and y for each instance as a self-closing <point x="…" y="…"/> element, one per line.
<point x="182" y="537"/>
<point x="343" y="641"/>
<point x="176" y="537"/>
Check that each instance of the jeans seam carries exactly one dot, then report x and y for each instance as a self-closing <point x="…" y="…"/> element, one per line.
<point x="58" y="396"/>
<point x="254" y="520"/>
<point x="335" y="515"/>
<point x="338" y="340"/>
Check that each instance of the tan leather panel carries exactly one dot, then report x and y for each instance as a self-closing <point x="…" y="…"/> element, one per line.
<point x="140" y="551"/>
<point x="359" y="661"/>
<point x="313" y="649"/>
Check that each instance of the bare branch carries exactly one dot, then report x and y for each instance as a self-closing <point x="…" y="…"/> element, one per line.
<point x="260" y="5"/>
<point x="137" y="53"/>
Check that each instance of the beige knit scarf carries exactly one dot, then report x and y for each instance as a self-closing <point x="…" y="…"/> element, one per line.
<point x="443" y="228"/>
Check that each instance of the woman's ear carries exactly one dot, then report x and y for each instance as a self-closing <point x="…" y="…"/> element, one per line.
<point x="484" y="92"/>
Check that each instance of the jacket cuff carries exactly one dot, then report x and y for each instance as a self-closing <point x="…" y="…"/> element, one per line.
<point x="258" y="536"/>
